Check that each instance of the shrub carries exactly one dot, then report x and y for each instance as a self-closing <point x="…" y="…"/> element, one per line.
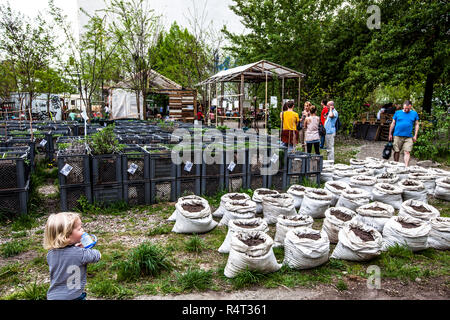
<point x="195" y="279"/>
<point x="145" y="260"/>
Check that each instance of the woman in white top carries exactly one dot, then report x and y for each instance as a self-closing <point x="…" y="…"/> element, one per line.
<point x="312" y="131"/>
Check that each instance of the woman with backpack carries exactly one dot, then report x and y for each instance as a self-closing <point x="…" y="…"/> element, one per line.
<point x="311" y="126"/>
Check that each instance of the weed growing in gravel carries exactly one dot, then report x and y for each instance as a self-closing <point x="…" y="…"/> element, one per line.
<point x="341" y="285"/>
<point x="160" y="229"/>
<point x="30" y="292"/>
<point x="194" y="279"/>
<point x="14" y="247"/>
<point x="195" y="244"/>
<point x="247" y="278"/>
<point x="145" y="260"/>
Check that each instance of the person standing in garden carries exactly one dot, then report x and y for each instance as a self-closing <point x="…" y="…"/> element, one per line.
<point x="311" y="127"/>
<point x="289" y="133"/>
<point x="401" y="129"/>
<point x="323" y="116"/>
<point x="330" y="127"/>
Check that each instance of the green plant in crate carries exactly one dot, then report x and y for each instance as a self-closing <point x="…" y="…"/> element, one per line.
<point x="104" y="142"/>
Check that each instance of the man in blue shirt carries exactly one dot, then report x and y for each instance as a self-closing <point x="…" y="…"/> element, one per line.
<point x="330" y="127"/>
<point x="402" y="125"/>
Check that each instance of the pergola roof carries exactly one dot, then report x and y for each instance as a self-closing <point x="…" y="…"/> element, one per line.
<point x="157" y="81"/>
<point x="253" y="72"/>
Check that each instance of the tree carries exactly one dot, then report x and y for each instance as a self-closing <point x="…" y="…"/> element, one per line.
<point x="136" y="29"/>
<point x="26" y="47"/>
<point x="89" y="57"/>
<point x="411" y="47"/>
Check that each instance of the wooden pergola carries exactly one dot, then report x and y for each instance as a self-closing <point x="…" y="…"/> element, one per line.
<point x="261" y="71"/>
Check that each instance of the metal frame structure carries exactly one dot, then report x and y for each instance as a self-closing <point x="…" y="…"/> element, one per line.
<point x="261" y="71"/>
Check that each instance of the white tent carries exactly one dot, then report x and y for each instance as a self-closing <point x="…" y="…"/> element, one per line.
<point x="123" y="104"/>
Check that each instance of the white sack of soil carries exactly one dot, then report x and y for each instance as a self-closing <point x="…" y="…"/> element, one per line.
<point x="439" y="236"/>
<point x="336" y="188"/>
<point x="297" y="192"/>
<point x="386" y="193"/>
<point x="358" y="242"/>
<point x="394" y="164"/>
<point x="372" y="159"/>
<point x="364" y="172"/>
<point x="417" y="169"/>
<point x="378" y="167"/>
<point x="227" y="198"/>
<point x="252" y="251"/>
<point x="343" y="175"/>
<point x="327" y="164"/>
<point x="326" y="174"/>
<point x="342" y="167"/>
<point x="428" y="180"/>
<point x="363" y="182"/>
<point x="238" y="209"/>
<point x="257" y="198"/>
<point x="387" y="178"/>
<point x="442" y="190"/>
<point x="193" y="216"/>
<point x="305" y="248"/>
<point x="316" y="202"/>
<point x="357" y="163"/>
<point x="286" y="223"/>
<point x="406" y="231"/>
<point x="401" y="172"/>
<point x="242" y="225"/>
<point x="440" y="173"/>
<point x="413" y="190"/>
<point x="335" y="218"/>
<point x="173" y="217"/>
<point x="353" y="198"/>
<point x="418" y="209"/>
<point x="375" y="214"/>
<point x="278" y="205"/>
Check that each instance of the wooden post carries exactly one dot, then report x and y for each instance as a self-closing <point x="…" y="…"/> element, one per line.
<point x="241" y="102"/>
<point x="217" y="101"/>
<point x="299" y="88"/>
<point x="282" y="91"/>
<point x="265" y="108"/>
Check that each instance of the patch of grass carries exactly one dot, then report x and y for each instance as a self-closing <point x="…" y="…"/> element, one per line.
<point x="31" y="292"/>
<point x="13" y="248"/>
<point x="194" y="279"/>
<point x="341" y="285"/>
<point x="195" y="244"/>
<point x="19" y="234"/>
<point x="145" y="260"/>
<point x="247" y="278"/>
<point x="107" y="288"/>
<point x="160" y="229"/>
<point x="115" y="208"/>
<point x="24" y="222"/>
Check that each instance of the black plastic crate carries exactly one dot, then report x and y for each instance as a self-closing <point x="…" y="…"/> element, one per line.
<point x="14" y="169"/>
<point x="188" y="186"/>
<point x="80" y="172"/>
<point x="70" y="194"/>
<point x="107" y="194"/>
<point x="106" y="169"/>
<point x="277" y="168"/>
<point x="137" y="193"/>
<point x="163" y="190"/>
<point x="14" y="201"/>
<point x="135" y="164"/>
<point x="161" y="164"/>
<point x="18" y="142"/>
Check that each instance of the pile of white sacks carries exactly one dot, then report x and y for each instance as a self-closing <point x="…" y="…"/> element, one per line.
<point x="358" y="206"/>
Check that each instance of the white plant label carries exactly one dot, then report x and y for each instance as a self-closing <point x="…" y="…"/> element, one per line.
<point x="133" y="167"/>
<point x="188" y="166"/>
<point x="231" y="166"/>
<point x="43" y="143"/>
<point x="274" y="158"/>
<point x="66" y="169"/>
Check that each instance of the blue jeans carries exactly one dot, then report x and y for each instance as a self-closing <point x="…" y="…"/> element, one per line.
<point x="322" y="141"/>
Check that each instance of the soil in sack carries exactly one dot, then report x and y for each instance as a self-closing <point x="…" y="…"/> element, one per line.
<point x="363" y="235"/>
<point x="341" y="215"/>
<point x="193" y="207"/>
<point x="252" y="241"/>
<point x="309" y="236"/>
<point x="237" y="197"/>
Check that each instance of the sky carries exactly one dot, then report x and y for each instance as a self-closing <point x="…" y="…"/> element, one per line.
<point x="216" y="11"/>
